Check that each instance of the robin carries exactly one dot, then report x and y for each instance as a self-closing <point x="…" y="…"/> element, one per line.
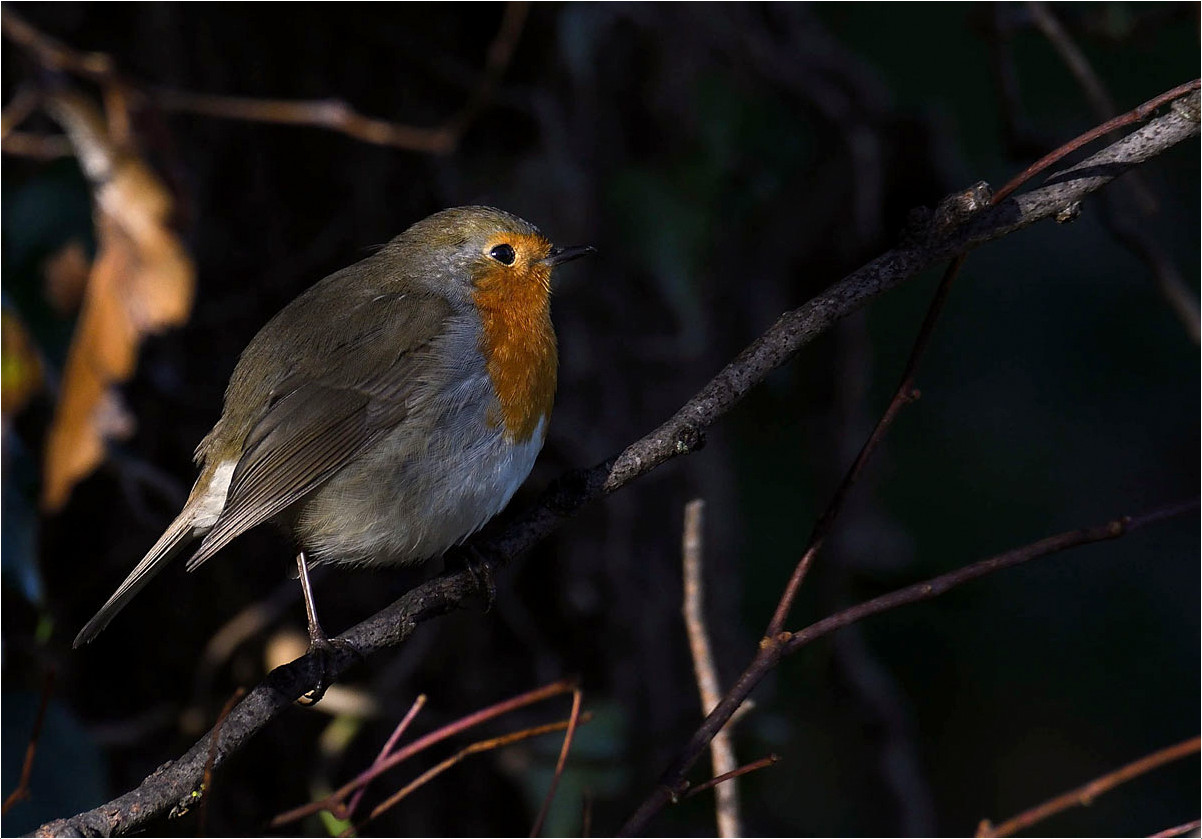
<point x="385" y="414"/>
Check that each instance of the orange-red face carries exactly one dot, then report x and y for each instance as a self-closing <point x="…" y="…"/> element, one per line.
<point x="512" y="294"/>
<point x="516" y="260"/>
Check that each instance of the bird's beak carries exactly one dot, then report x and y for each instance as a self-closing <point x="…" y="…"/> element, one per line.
<point x="558" y="256"/>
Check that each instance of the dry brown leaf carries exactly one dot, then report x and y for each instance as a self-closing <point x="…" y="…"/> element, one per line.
<point x="141" y="282"/>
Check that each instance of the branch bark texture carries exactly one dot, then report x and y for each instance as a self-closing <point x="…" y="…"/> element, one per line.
<point x="174" y="782"/>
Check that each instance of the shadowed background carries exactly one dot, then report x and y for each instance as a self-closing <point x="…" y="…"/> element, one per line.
<point x="727" y="162"/>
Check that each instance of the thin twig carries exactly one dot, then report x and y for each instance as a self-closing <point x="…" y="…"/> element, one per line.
<point x="385" y="752"/>
<point x="904" y="395"/>
<point x="468" y="751"/>
<point x="727" y="796"/>
<point x="1179" y="830"/>
<point x="1135" y="115"/>
<point x="37" y="146"/>
<point x="953" y="579"/>
<point x="573" y="721"/>
<point x="52" y="53"/>
<point x="24" y="102"/>
<point x="719" y="781"/>
<point x="671" y="784"/>
<point x="31" y="748"/>
<point x="376" y="769"/>
<point x="1085" y="795"/>
<point x="207" y="783"/>
<point x="332" y="114"/>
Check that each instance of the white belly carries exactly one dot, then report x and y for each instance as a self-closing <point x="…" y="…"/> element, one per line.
<point x="395" y="505"/>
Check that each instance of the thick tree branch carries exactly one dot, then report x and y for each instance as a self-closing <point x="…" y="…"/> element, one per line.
<point x="681" y="434"/>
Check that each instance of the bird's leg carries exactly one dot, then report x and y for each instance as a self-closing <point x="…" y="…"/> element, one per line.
<point x="321" y="647"/>
<point x="317" y="636"/>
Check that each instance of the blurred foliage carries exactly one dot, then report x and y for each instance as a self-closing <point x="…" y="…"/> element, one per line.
<point x="728" y="161"/>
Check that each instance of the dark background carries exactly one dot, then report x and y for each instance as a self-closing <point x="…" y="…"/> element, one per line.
<point x="728" y="162"/>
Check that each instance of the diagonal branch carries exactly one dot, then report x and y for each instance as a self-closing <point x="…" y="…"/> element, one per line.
<point x="681" y="434"/>
<point x="1085" y="795"/>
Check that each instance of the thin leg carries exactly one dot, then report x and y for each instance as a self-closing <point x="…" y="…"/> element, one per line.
<point x="317" y="636"/>
<point x="321" y="647"/>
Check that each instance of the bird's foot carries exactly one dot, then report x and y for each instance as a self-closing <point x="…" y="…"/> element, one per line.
<point x="325" y="653"/>
<point x="477" y="564"/>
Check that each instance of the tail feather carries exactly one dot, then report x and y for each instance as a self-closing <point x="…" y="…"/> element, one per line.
<point x="178" y="535"/>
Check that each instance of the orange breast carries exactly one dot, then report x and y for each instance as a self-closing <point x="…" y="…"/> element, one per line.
<point x="518" y="341"/>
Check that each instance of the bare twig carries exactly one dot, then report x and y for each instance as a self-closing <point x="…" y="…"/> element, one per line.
<point x="904" y="395"/>
<point x="1179" y="830"/>
<point x="723" y="748"/>
<point x="332" y="114"/>
<point x="384" y="754"/>
<point x="18" y="109"/>
<point x="727" y="796"/>
<point x="36" y="146"/>
<point x="475" y="748"/>
<point x="1132" y="117"/>
<point x="772" y="650"/>
<point x="207" y="783"/>
<point x="953" y="579"/>
<point x="336" y="798"/>
<point x="31" y="749"/>
<point x="1083" y="796"/>
<point x="52" y="53"/>
<point x="718" y="781"/>
<point x="679" y="435"/>
<point x="573" y="720"/>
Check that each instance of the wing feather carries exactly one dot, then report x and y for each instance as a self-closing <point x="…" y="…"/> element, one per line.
<point x="316" y="425"/>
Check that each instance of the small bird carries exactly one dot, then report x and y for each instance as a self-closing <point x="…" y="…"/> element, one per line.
<point x="386" y="413"/>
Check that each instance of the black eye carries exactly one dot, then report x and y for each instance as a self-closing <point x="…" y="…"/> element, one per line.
<point x="503" y="254"/>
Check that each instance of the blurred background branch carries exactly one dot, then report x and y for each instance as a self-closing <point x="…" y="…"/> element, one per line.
<point x="332" y="114"/>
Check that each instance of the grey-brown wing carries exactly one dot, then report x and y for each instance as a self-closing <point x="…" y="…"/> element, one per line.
<point x="315" y="426"/>
<point x="306" y="437"/>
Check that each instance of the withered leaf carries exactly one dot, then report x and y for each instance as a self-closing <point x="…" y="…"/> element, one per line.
<point x="141" y="282"/>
